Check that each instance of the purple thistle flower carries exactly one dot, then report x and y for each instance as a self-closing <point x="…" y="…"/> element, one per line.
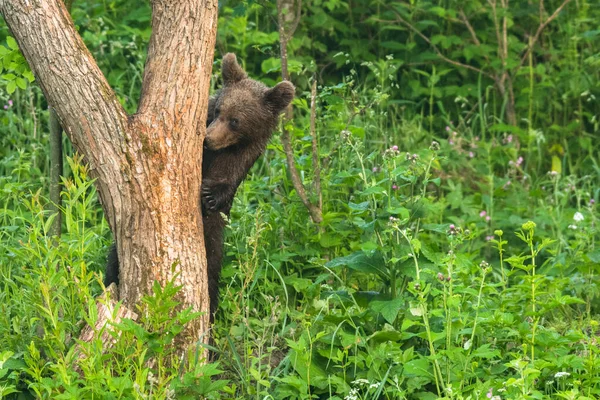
<point x="10" y="102"/>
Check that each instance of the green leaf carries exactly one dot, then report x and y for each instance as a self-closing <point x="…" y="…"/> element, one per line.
<point x="359" y="261"/>
<point x="29" y="76"/>
<point x="21" y="83"/>
<point x="388" y="309"/>
<point x="416" y="244"/>
<point x="11" y="87"/>
<point x="12" y="43"/>
<point x="486" y="352"/>
<point x="594" y="256"/>
<point x="330" y="240"/>
<point x="418" y="367"/>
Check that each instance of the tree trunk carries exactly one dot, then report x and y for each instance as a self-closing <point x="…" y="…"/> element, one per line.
<point x="148" y="166"/>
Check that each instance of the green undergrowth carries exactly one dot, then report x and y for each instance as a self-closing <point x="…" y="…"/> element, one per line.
<point x="458" y="256"/>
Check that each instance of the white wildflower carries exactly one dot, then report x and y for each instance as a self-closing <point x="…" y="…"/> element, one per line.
<point x="561" y="374"/>
<point x="573" y="226"/>
<point x="578" y="217"/>
<point x="353" y="395"/>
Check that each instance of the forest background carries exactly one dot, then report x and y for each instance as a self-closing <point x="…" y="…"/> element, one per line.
<point x="456" y="173"/>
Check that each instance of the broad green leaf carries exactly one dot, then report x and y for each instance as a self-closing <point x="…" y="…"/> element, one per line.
<point x="388" y="309"/>
<point x="359" y="261"/>
<point x="418" y="367"/>
<point x="12" y="43"/>
<point x="11" y="87"/>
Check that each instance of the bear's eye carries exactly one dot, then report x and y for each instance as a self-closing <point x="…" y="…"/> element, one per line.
<point x="234" y="122"/>
<point x="217" y="112"/>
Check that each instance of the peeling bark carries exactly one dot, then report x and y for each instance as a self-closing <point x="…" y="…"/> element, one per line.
<point x="148" y="166"/>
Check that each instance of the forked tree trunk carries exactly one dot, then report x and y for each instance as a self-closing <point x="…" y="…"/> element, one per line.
<point x="148" y="166"/>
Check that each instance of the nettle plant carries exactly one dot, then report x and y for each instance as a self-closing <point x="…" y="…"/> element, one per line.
<point x="414" y="305"/>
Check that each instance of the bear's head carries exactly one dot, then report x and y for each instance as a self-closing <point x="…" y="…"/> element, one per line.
<point x="245" y="111"/>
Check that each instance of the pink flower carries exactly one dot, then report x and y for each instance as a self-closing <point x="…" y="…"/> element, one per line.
<point x="471" y="154"/>
<point x="592" y="201"/>
<point x="6" y="106"/>
<point x="451" y="141"/>
<point x="394" y="187"/>
<point x="490" y="237"/>
<point x="395" y="148"/>
<point x="10" y="102"/>
<point x="447" y="128"/>
<point x="519" y="160"/>
<point x="375" y="169"/>
<point x="488" y="218"/>
<point x="483" y="214"/>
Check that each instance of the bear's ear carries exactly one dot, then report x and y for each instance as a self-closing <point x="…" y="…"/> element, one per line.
<point x="231" y="70"/>
<point x="280" y="96"/>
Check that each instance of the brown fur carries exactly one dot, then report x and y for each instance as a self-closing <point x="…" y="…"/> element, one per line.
<point x="241" y="119"/>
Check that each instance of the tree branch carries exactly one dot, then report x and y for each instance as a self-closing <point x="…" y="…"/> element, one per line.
<point x="435" y="48"/>
<point x="465" y="21"/>
<point x="542" y="26"/>
<point x="284" y="36"/>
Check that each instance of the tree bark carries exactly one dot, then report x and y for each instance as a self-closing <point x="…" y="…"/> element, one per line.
<point x="148" y="166"/>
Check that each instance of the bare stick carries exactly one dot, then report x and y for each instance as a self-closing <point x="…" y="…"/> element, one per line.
<point x="542" y="26"/>
<point x="435" y="48"/>
<point x="465" y="21"/>
<point x="314" y="211"/>
<point x="315" y="147"/>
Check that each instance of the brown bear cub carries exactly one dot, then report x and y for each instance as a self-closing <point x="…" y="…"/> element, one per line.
<point x="241" y="119"/>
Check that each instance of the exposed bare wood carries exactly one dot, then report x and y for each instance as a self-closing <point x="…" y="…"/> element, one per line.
<point x="109" y="313"/>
